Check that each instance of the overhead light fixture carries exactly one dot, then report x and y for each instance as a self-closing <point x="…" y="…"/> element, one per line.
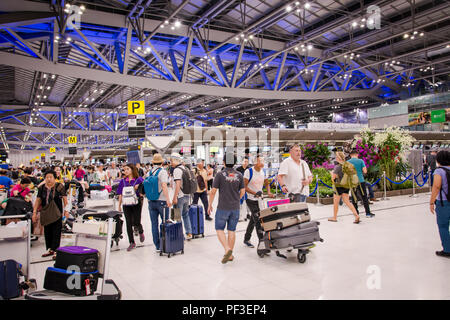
<point x="288" y="8"/>
<point x="307" y="5"/>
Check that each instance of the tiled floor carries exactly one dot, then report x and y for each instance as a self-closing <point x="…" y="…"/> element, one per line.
<point x="399" y="243"/>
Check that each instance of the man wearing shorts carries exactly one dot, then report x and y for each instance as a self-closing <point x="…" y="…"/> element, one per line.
<point x="230" y="183"/>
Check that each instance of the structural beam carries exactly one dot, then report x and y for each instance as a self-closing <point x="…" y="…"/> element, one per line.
<point x="163" y="85"/>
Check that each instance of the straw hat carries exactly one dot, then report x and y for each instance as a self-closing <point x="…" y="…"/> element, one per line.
<point x="157" y="159"/>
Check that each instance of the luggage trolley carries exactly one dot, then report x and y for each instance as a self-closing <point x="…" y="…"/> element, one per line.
<point x="109" y="290"/>
<point x="15" y="245"/>
<point x="266" y="245"/>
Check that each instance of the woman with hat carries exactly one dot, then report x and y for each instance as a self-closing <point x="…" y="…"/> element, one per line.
<point x="157" y="204"/>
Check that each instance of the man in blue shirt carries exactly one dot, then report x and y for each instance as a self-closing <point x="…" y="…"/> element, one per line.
<point x="360" y="190"/>
<point x="4" y="180"/>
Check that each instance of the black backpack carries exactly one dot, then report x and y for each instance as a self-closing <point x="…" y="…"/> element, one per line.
<point x="188" y="182"/>
<point x="447" y="174"/>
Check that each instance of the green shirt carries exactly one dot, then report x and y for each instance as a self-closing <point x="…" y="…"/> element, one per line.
<point x="359" y="165"/>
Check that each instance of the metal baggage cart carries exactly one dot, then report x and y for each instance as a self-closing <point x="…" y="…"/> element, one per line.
<point x="15" y="245"/>
<point x="109" y="290"/>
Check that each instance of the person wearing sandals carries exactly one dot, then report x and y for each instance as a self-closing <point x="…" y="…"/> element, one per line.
<point x="230" y="184"/>
<point x="51" y="191"/>
<point x="336" y="177"/>
<point x="131" y="207"/>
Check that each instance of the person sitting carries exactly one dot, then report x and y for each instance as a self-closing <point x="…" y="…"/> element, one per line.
<point x="21" y="189"/>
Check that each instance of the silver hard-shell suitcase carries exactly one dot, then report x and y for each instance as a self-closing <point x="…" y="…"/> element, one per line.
<point x="283" y="216"/>
<point x="293" y="236"/>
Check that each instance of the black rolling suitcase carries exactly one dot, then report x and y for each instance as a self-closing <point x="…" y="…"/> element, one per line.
<point x="293" y="236"/>
<point x="86" y="259"/>
<point x="71" y="282"/>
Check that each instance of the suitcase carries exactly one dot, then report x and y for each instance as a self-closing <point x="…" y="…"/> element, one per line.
<point x="18" y="206"/>
<point x="96" y="187"/>
<point x="10" y="279"/>
<point x="172" y="238"/>
<point x="71" y="282"/>
<point x="104" y="217"/>
<point x="283" y="216"/>
<point x="84" y="258"/>
<point x="293" y="236"/>
<point x="197" y="220"/>
<point x="99" y="195"/>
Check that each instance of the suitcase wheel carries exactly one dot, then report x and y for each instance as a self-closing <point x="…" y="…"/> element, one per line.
<point x="203" y="235"/>
<point x="160" y="254"/>
<point x="182" y="251"/>
<point x="301" y="257"/>
<point x="168" y="256"/>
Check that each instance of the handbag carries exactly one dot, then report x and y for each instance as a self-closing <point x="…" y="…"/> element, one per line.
<point x="129" y="197"/>
<point x="50" y="212"/>
<point x="175" y="214"/>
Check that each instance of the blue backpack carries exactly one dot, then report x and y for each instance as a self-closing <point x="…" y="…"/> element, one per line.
<point x="151" y="187"/>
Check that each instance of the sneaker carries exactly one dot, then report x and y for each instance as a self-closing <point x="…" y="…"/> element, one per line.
<point x="208" y="217"/>
<point x="34" y="238"/>
<point x="141" y="237"/>
<point x="189" y="236"/>
<point x="374" y="200"/>
<point x="249" y="244"/>
<point x="443" y="254"/>
<point x="370" y="215"/>
<point x="131" y="247"/>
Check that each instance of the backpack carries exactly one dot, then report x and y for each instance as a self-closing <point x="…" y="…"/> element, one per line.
<point x="245" y="197"/>
<point x="129" y="197"/>
<point x="447" y="174"/>
<point x="151" y="186"/>
<point x="350" y="179"/>
<point x="200" y="181"/>
<point x="189" y="182"/>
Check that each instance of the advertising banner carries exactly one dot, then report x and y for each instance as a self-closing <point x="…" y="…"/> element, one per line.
<point x="438" y="116"/>
<point x="419" y="118"/>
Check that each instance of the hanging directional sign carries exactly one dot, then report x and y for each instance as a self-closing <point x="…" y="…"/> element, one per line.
<point x="52" y="150"/>
<point x="136" y="119"/>
<point x="72" y="139"/>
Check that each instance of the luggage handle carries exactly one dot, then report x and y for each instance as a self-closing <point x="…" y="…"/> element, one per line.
<point x="90" y="261"/>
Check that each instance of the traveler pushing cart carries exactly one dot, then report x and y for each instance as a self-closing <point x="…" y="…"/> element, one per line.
<point x="287" y="226"/>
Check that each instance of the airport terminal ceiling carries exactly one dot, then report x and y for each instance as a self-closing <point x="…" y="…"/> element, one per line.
<point x="69" y="67"/>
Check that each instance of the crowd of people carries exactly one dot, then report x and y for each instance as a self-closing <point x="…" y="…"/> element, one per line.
<point x="232" y="183"/>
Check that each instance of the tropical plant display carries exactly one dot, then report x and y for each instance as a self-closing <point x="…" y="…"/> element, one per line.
<point x="384" y="151"/>
<point x="315" y="154"/>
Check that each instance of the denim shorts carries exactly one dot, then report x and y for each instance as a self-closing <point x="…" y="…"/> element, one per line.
<point x="227" y="217"/>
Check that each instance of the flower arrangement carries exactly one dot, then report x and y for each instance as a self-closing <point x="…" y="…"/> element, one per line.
<point x="384" y="150"/>
<point x="315" y="154"/>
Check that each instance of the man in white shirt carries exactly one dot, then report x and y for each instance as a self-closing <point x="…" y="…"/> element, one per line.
<point x="113" y="173"/>
<point x="254" y="180"/>
<point x="294" y="176"/>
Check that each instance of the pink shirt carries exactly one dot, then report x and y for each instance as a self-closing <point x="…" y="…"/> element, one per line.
<point x="22" y="192"/>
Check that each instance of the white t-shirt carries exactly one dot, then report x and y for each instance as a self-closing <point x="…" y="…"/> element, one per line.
<point x="257" y="182"/>
<point x="163" y="177"/>
<point x="293" y="175"/>
<point x="113" y="173"/>
<point x="178" y="175"/>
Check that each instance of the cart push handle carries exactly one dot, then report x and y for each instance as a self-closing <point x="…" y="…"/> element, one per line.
<point x="26" y="216"/>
